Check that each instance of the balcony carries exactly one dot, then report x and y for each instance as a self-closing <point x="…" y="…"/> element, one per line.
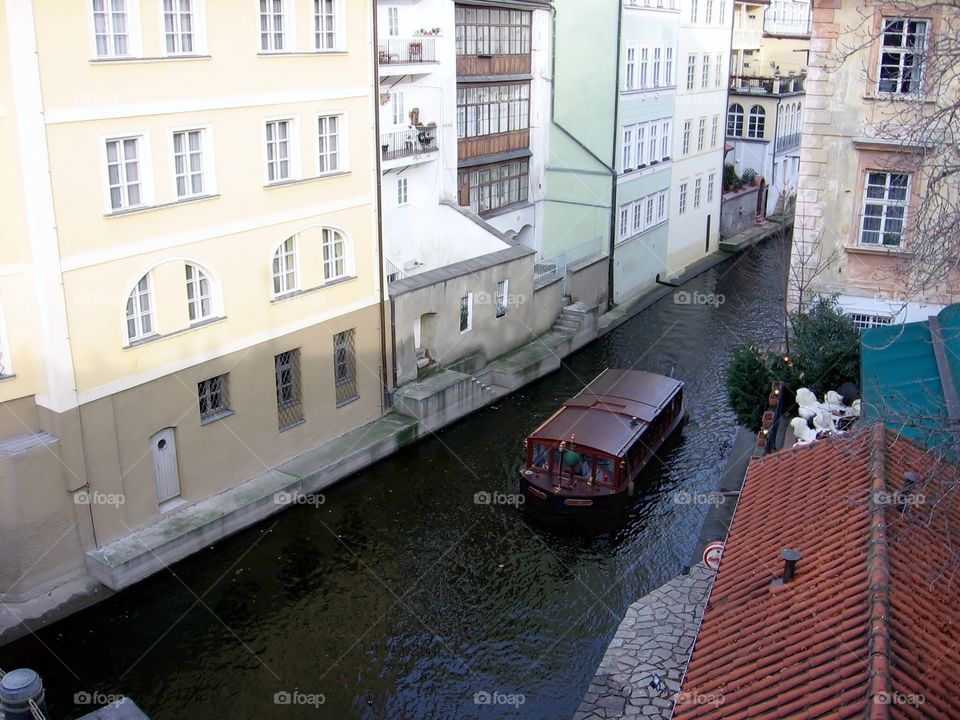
<point x="396" y="55"/>
<point x="411" y="146"/>
<point x="774" y="24"/>
<point x="786" y="85"/>
<point x="746" y="38"/>
<point x="788" y="142"/>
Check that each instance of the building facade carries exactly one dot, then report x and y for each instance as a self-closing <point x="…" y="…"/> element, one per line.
<point x="768" y="69"/>
<point x="703" y="57"/>
<point x="191" y="288"/>
<point x="866" y="165"/>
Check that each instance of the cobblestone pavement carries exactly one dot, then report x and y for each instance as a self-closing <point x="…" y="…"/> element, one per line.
<point x="640" y="674"/>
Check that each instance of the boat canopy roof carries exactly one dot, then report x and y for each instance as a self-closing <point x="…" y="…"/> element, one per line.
<point x="601" y="416"/>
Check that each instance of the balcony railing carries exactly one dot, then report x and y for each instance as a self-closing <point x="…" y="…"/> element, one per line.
<point x="799" y="26"/>
<point x="787" y="142"/>
<point x="786" y="85"/>
<point x="405" y="143"/>
<point x="400" y="51"/>
<point x="746" y="38"/>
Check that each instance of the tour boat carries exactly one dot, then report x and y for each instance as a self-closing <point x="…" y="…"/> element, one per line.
<point x="587" y="456"/>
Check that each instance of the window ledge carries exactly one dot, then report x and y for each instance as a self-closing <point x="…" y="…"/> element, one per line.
<point x="291" y="426"/>
<point x="133" y="59"/>
<point x="644" y="91"/>
<point x="301" y="181"/>
<point x="214" y="418"/>
<point x="10" y="376"/>
<point x="880" y="250"/>
<point x="316" y="288"/>
<point x="157" y="336"/>
<point x="644" y="171"/>
<point x="149" y="208"/>
<point x="349" y="400"/>
<point x="506" y="209"/>
<point x="300" y="53"/>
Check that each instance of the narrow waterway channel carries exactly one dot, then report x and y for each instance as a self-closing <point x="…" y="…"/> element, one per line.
<point x="399" y="596"/>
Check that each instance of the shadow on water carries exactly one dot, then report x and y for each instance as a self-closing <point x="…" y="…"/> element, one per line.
<point x="401" y="597"/>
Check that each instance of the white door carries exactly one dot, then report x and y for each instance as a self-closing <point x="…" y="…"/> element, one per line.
<point x="163" y="447"/>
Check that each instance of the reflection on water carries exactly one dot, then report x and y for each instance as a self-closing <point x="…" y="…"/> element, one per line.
<point x="400" y="597"/>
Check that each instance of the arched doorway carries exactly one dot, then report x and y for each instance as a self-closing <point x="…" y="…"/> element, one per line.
<point x="424" y="341"/>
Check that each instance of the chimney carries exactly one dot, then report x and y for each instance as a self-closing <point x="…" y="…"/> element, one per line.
<point x="790" y="558"/>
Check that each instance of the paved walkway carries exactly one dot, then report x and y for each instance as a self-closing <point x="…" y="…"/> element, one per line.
<point x="641" y="672"/>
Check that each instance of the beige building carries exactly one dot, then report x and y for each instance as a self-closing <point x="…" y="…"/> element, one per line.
<point x="863" y="172"/>
<point x="190" y="288"/>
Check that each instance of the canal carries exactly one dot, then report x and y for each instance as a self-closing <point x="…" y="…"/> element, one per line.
<point x="400" y="596"/>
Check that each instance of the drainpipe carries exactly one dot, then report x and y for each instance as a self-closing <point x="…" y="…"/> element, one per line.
<point x="381" y="268"/>
<point x="776" y="136"/>
<point x="613" y="161"/>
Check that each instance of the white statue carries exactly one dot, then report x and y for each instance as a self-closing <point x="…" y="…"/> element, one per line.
<point x="803" y="432"/>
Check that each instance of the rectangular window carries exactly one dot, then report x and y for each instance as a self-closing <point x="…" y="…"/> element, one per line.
<point x="705" y="71"/>
<point x="691" y="70"/>
<point x="627" y="148"/>
<point x="714" y="131"/>
<point x="345" y="366"/>
<point x="644" y="63"/>
<point x="493" y="109"/>
<point x="662" y="197"/>
<point x="657" y="59"/>
<point x="286" y="367"/>
<point x="863" y="321"/>
<point x="178" y="26"/>
<point x="642" y="146"/>
<point x="668" y="67"/>
<point x="285" y="267"/>
<point x="624" y="222"/>
<point x="482" y="31"/>
<point x="653" y="142"/>
<point x="393" y="21"/>
<point x="123" y="173"/>
<point x="711" y="181"/>
<point x="214" y="401"/>
<point x="278" y="151"/>
<point x="502" y="297"/>
<point x="328" y="143"/>
<point x="334" y="255"/>
<point x="111" y="28"/>
<point x="402" y="196"/>
<point x="904" y="43"/>
<point x="718" y="80"/>
<point x="885" y="209"/>
<point x="686" y="136"/>
<point x="637" y="216"/>
<point x="709" y="11"/>
<point x="325" y="24"/>
<point x="683" y="198"/>
<point x="198" y="294"/>
<point x="701" y="133"/>
<point x="697" y="190"/>
<point x="722" y="12"/>
<point x="649" y="204"/>
<point x="694" y="8"/>
<point x="272" y="26"/>
<point x="466" y="313"/>
<point x="492" y="187"/>
<point x="631" y="67"/>
<point x="396" y="103"/>
<point x="188" y="163"/>
<point x="665" y="139"/>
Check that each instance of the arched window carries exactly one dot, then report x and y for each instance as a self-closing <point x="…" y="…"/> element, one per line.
<point x="735" y="120"/>
<point x="140" y="310"/>
<point x="285" y="267"/>
<point x="199" y="296"/>
<point x="334" y="255"/>
<point x="783" y="120"/>
<point x="796" y="117"/>
<point x="757" y="121"/>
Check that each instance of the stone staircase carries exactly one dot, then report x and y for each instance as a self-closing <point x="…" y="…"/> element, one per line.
<point x="426" y="365"/>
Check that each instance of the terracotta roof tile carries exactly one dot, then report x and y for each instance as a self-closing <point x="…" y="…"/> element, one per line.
<point x="870" y="624"/>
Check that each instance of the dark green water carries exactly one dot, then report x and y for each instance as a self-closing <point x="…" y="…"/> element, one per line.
<point x="401" y="591"/>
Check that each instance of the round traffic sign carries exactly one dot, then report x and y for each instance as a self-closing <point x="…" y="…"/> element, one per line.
<point x="712" y="554"/>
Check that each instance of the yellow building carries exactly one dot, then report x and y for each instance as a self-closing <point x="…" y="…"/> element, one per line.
<point x="190" y="289"/>
<point x="866" y="161"/>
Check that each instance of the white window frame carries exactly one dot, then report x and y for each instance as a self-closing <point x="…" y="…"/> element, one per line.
<point x="145" y="168"/>
<point x="701" y="134"/>
<point x="319" y="27"/>
<point x="691" y="70"/>
<point x="281" y="272"/>
<point x="697" y="191"/>
<point x="665" y="131"/>
<point x="663" y="205"/>
<point x="341" y="156"/>
<point x="469" y="299"/>
<point x="626" y="156"/>
<point x="134" y="38"/>
<point x="640" y="146"/>
<point x="502" y="299"/>
<point x="643" y="75"/>
<point x="207" y="168"/>
<point x="682" y="200"/>
<point x="329" y="237"/>
<point x="403" y="192"/>
<point x="393" y="21"/>
<point x="756" y="122"/>
<point x="903" y="51"/>
<point x="714" y="131"/>
<point x="198" y="29"/>
<point x="885" y="202"/>
<point x="711" y="181"/>
<point x="652" y="132"/>
<point x="687" y="130"/>
<point x="293" y="150"/>
<point x="694" y="11"/>
<point x="288" y="31"/>
<point x="624" y="222"/>
<point x="708" y="12"/>
<point x="718" y="80"/>
<point x="705" y="71"/>
<point x="195" y="304"/>
<point x="722" y="12"/>
<point x="134" y="301"/>
<point x="630" y="64"/>
<point x="668" y="66"/>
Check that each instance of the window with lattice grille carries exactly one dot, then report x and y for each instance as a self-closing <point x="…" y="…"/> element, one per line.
<point x="345" y="366"/>
<point x="289" y="394"/>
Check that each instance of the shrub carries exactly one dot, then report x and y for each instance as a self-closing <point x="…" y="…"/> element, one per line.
<point x="748" y="382"/>
<point x="730" y="179"/>
<point x="826" y="346"/>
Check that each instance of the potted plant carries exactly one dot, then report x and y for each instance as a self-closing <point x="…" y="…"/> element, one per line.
<point x="748" y="176"/>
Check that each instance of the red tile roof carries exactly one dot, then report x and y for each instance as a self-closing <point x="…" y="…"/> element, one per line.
<point x="870" y="625"/>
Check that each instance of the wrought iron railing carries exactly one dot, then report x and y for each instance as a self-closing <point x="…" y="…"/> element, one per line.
<point x="785" y="85"/>
<point x="397" y="51"/>
<point x="412" y="141"/>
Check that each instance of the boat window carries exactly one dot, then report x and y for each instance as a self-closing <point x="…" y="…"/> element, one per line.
<point x="541" y="456"/>
<point x="585" y="467"/>
<point x="605" y="471"/>
<point x="556" y="464"/>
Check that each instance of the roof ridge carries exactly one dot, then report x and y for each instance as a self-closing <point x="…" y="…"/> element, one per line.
<point x="879" y="681"/>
